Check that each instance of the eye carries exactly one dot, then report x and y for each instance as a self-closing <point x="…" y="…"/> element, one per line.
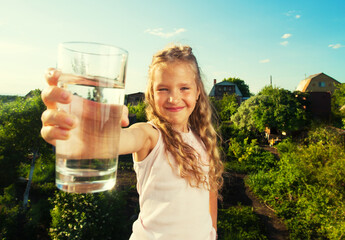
<point x="185" y="88"/>
<point x="162" y="89"/>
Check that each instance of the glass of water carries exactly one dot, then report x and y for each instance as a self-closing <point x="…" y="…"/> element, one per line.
<point x="95" y="74"/>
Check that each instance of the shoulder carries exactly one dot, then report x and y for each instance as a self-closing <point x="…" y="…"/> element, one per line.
<point x="147" y="128"/>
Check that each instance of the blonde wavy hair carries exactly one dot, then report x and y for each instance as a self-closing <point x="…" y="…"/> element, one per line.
<point x="199" y="121"/>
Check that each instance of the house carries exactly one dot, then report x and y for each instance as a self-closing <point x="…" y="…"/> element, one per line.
<point x="219" y="89"/>
<point x="320" y="88"/>
<point x="134" y="98"/>
<point x="319" y="82"/>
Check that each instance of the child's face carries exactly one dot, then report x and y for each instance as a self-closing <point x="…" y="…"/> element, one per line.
<point x="175" y="93"/>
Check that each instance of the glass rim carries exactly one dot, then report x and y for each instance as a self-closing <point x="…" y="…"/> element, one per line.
<point x="66" y="46"/>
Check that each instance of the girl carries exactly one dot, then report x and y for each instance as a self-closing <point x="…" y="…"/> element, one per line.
<point x="179" y="171"/>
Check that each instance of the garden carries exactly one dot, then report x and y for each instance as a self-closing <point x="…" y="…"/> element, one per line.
<point x="300" y="179"/>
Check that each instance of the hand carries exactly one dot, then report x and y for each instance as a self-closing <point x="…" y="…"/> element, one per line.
<point x="56" y="125"/>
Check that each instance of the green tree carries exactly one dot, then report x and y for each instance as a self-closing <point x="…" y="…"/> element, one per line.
<point x="225" y="107"/>
<point x="339" y="95"/>
<point x="274" y="108"/>
<point x="243" y="118"/>
<point x="20" y="124"/>
<point x="338" y="106"/>
<point x="244" y="88"/>
<point x="281" y="110"/>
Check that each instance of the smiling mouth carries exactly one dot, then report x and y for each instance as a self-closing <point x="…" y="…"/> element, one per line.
<point x="174" y="109"/>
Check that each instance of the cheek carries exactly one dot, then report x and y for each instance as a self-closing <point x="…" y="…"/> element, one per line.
<point x="159" y="100"/>
<point x="191" y="99"/>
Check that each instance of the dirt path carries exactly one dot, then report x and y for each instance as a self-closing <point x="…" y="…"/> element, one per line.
<point x="275" y="228"/>
<point x="236" y="192"/>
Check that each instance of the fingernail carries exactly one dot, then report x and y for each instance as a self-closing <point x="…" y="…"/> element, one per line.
<point x="51" y="73"/>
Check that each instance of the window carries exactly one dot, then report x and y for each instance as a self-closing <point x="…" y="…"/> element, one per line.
<point x="322" y="84"/>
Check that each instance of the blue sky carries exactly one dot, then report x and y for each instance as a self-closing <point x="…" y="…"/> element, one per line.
<point x="248" y="39"/>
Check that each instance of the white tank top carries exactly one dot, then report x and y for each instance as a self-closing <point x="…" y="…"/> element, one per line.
<point x="170" y="209"/>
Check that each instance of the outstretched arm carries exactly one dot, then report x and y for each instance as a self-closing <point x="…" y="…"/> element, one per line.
<point x="140" y="138"/>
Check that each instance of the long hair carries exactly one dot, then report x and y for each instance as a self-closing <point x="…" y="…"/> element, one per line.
<point x="199" y="122"/>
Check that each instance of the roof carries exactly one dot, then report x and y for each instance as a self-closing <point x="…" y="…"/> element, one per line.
<point x="137" y="93"/>
<point x="225" y="83"/>
<point x="303" y="85"/>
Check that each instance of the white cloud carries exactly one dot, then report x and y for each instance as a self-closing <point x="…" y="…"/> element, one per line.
<point x="159" y="32"/>
<point x="285" y="43"/>
<point x="293" y="13"/>
<point x="335" y="46"/>
<point x="264" y="61"/>
<point x="286" y="35"/>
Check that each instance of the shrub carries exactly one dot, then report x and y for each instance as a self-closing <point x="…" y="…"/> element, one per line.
<point x="307" y="187"/>
<point x="89" y="216"/>
<point x="138" y="110"/>
<point x="10" y="214"/>
<point x="239" y="222"/>
<point x="249" y="156"/>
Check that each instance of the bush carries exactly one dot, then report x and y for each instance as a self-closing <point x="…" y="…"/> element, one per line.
<point x="307" y="187"/>
<point x="10" y="214"/>
<point x="138" y="110"/>
<point x="89" y="216"/>
<point x="248" y="156"/>
<point x="239" y="223"/>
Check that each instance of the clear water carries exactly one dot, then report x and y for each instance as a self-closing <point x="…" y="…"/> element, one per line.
<point x="87" y="161"/>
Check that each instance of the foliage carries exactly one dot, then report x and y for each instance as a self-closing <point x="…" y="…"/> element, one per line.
<point x="307" y="187"/>
<point x="239" y="223"/>
<point x="20" y="124"/>
<point x="339" y="95"/>
<point x="225" y="107"/>
<point x="138" y="110"/>
<point x="244" y="88"/>
<point x="247" y="156"/>
<point x="243" y="118"/>
<point x="89" y="216"/>
<point x="10" y="214"/>
<point x="338" y="103"/>
<point x="7" y="98"/>
<point x="281" y="110"/>
<point x="274" y="108"/>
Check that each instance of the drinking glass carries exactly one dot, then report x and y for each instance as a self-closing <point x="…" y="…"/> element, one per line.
<point x="95" y="75"/>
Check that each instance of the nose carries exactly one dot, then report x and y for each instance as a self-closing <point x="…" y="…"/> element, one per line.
<point x="174" y="97"/>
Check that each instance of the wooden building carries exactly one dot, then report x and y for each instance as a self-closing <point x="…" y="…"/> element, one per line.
<point x="319" y="82"/>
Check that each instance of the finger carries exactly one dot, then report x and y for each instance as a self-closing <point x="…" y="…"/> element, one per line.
<point x="124" y="118"/>
<point x="52" y="76"/>
<point x="51" y="133"/>
<point x="59" y="119"/>
<point x="53" y="94"/>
